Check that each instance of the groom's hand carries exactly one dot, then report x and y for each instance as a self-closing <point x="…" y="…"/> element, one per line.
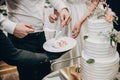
<point x="65" y="17"/>
<point x="23" y="29"/>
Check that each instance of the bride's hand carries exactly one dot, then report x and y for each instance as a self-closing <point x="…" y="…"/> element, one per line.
<point x="94" y="4"/>
<point x="54" y="16"/>
<point x="76" y="30"/>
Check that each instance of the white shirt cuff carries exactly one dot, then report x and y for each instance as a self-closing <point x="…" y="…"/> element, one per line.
<point x="8" y="26"/>
<point x="61" y="7"/>
<point x="58" y="4"/>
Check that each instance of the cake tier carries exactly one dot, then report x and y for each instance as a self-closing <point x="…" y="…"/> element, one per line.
<point x="102" y="69"/>
<point x="98" y="49"/>
<point x="98" y="28"/>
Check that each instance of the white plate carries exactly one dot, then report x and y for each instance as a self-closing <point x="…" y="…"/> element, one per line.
<point x="48" y="46"/>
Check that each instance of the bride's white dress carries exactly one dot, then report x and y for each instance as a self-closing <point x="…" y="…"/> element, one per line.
<point x="77" y="9"/>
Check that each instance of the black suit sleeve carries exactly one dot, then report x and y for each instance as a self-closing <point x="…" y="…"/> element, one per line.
<point x="14" y="56"/>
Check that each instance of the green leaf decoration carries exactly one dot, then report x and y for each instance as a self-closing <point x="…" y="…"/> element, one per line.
<point x="115" y="19"/>
<point x="4" y="12"/>
<point x="47" y="1"/>
<point x="78" y="69"/>
<point x="115" y="79"/>
<point x="90" y="61"/>
<point x="113" y="40"/>
<point x="100" y="16"/>
<point x="85" y="37"/>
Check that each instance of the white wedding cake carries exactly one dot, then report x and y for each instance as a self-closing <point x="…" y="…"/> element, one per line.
<point x="100" y="60"/>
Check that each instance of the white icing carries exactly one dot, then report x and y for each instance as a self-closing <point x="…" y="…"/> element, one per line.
<point x="102" y="69"/>
<point x="97" y="29"/>
<point x="98" y="47"/>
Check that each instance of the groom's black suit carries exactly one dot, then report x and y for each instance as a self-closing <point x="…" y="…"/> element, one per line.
<point x="14" y="56"/>
<point x="18" y="57"/>
<point x="115" y="6"/>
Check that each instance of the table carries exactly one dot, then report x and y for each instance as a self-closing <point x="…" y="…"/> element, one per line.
<point x="67" y="73"/>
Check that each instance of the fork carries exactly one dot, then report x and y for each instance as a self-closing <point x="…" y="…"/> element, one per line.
<point x="58" y="34"/>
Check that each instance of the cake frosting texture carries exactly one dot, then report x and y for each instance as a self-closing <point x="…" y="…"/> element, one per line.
<point x="98" y="47"/>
